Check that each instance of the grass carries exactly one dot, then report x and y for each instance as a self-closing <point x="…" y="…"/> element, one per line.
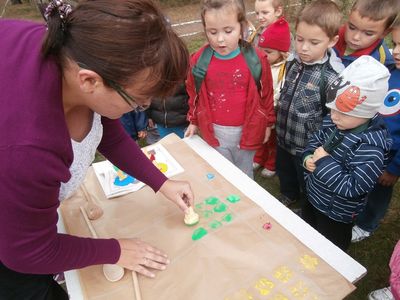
<point x="373" y="253"/>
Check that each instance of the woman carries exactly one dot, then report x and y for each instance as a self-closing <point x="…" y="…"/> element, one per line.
<point x="62" y="92"/>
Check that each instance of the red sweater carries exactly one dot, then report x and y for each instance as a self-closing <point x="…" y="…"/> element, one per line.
<point x="258" y="115"/>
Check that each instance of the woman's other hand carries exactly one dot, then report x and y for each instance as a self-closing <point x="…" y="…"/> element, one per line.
<point x="141" y="257"/>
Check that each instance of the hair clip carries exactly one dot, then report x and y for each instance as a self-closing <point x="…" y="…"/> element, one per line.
<point x="62" y="8"/>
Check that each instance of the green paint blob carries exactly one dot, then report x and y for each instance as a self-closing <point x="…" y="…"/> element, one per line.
<point x="207" y="213"/>
<point x="233" y="198"/>
<point x="227" y="218"/>
<point x="212" y="200"/>
<point x="198" y="233"/>
<point x="220" y="207"/>
<point x="199" y="206"/>
<point x="215" y="224"/>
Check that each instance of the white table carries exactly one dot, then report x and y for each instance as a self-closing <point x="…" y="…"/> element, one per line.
<point x="334" y="256"/>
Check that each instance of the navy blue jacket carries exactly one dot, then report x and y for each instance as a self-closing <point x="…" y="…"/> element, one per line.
<point x="341" y="181"/>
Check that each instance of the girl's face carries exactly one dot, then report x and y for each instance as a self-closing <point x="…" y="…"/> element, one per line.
<point x="396" y="46"/>
<point x="274" y="56"/>
<point x="222" y="29"/>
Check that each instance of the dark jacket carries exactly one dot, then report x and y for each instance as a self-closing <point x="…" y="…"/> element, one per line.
<point x="339" y="185"/>
<point x="170" y="111"/>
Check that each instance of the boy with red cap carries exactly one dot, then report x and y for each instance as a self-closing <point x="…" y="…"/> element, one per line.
<point x="275" y="41"/>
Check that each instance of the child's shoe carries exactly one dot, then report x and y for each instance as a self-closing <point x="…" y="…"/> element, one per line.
<point x="267" y="173"/>
<point x="255" y="165"/>
<point x="358" y="234"/>
<point x="382" y="294"/>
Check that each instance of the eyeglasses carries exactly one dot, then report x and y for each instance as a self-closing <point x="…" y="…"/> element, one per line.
<point x="121" y="91"/>
<point x="128" y="99"/>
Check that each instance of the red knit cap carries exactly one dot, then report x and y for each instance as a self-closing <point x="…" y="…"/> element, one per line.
<point x="276" y="36"/>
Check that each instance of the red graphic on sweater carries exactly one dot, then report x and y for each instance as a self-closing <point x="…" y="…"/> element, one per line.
<point x="349" y="99"/>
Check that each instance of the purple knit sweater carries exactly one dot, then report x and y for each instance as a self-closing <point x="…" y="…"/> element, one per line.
<point x="35" y="156"/>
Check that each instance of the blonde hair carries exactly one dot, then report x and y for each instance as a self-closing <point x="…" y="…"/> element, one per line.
<point x="377" y="10"/>
<point x="238" y="5"/>
<point x="323" y="13"/>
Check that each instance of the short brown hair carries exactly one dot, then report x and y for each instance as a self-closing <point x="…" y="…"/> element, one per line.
<point x="207" y="5"/>
<point x="118" y="39"/>
<point x="396" y="22"/>
<point x="377" y="10"/>
<point x="323" y="13"/>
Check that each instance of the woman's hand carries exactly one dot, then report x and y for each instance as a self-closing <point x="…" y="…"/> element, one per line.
<point x="141" y="257"/>
<point x="191" y="130"/>
<point x="178" y="192"/>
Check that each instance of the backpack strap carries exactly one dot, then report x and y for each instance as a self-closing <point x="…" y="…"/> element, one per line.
<point x="252" y="60"/>
<point x="200" y="69"/>
<point x="382" y="54"/>
<point x="322" y="91"/>
<point x="253" y="63"/>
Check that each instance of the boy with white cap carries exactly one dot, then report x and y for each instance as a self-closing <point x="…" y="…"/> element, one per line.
<point x="345" y="158"/>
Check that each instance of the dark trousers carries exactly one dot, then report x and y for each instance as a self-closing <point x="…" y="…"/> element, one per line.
<point x="19" y="286"/>
<point x="377" y="204"/>
<point x="290" y="172"/>
<point x="337" y="232"/>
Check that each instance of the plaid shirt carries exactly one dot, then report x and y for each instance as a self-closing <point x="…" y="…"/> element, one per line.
<point x="299" y="107"/>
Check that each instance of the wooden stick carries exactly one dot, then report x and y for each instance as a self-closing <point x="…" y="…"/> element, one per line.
<point x="94" y="210"/>
<point x="89" y="225"/>
<point x="136" y="286"/>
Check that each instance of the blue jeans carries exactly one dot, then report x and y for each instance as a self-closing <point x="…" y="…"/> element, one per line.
<point x="377" y="204"/>
<point x="164" y="131"/>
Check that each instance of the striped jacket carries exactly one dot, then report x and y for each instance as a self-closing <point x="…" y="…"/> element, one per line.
<point x="341" y="181"/>
<point x="299" y="110"/>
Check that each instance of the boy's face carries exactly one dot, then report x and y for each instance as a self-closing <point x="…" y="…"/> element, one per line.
<point x="274" y="56"/>
<point x="345" y="122"/>
<point x="360" y="33"/>
<point x="396" y="46"/>
<point x="266" y="13"/>
<point x="312" y="42"/>
<point x="223" y="29"/>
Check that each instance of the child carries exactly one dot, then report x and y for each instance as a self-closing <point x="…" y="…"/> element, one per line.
<point x="169" y="114"/>
<point x="368" y="23"/>
<point x="232" y="114"/>
<point x="301" y="104"/>
<point x="348" y="154"/>
<point x="392" y="292"/>
<point x="379" y="199"/>
<point x="275" y="41"/>
<point x="267" y="12"/>
<point x="135" y="123"/>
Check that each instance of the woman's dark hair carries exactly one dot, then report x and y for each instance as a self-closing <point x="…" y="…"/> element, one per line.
<point x="118" y="39"/>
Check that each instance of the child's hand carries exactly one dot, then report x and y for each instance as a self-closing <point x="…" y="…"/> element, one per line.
<point x="319" y="153"/>
<point x="267" y="134"/>
<point x="310" y="164"/>
<point x="191" y="130"/>
<point x="142" y="134"/>
<point x="388" y="179"/>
